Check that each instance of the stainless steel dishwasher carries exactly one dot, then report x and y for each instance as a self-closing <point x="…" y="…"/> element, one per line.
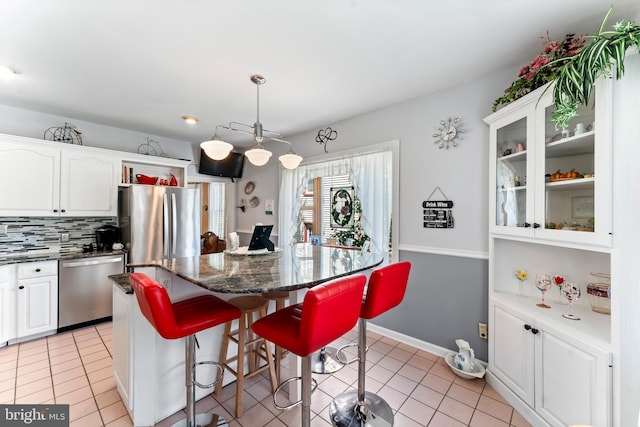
<point x="84" y="288"/>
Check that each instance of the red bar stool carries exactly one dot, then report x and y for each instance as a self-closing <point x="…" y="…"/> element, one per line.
<point x="386" y="289"/>
<point x="184" y="319"/>
<point x="327" y="312"/>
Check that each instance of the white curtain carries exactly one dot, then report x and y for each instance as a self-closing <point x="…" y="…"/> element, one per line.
<point x="371" y="174"/>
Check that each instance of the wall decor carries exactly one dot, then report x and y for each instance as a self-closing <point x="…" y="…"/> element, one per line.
<point x="254" y="202"/>
<point x="448" y="132"/>
<point x="268" y="207"/>
<point x="342" y="211"/>
<point x="249" y="187"/>
<point x="67" y="134"/>
<point x="326" y="135"/>
<point x="151" y="148"/>
<point x="437" y="213"/>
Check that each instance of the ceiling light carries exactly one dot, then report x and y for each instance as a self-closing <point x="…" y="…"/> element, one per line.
<point x="257" y="155"/>
<point x="7" y="72"/>
<point x="216" y="148"/>
<point x="190" y="119"/>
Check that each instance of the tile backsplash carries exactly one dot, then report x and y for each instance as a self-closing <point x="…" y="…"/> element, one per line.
<point x="31" y="235"/>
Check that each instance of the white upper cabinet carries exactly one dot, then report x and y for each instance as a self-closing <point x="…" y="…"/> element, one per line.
<point x="43" y="179"/>
<point x="551" y="184"/>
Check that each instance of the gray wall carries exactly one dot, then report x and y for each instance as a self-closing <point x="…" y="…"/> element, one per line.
<point x="446" y="298"/>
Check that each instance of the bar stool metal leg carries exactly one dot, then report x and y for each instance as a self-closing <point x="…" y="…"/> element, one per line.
<point x="363" y="408"/>
<point x="193" y="419"/>
<point x="325" y="361"/>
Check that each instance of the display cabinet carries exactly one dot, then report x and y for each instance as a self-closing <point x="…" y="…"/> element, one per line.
<point x="552" y="184"/>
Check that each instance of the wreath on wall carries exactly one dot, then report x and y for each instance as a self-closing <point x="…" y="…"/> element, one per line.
<point x="342" y="207"/>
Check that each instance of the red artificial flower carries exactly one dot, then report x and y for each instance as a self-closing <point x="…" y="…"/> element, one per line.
<point x="558" y="279"/>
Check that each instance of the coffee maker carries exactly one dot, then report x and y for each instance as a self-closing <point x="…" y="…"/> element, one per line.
<point x="106" y="236"/>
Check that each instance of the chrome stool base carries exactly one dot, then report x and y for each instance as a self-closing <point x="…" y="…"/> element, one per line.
<point x="325" y="361"/>
<point x="204" y="420"/>
<point x="346" y="411"/>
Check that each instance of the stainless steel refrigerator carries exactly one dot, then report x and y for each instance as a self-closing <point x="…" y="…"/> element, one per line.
<point x="159" y="222"/>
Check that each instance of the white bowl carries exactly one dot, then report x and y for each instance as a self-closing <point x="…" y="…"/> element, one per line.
<point x="478" y="369"/>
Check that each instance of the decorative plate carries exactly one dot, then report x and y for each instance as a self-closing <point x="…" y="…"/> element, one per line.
<point x="248" y="189"/>
<point x="254" y="202"/>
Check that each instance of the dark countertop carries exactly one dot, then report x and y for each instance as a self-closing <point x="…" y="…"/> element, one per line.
<point x="15" y="258"/>
<point x="122" y="280"/>
<point x="294" y="267"/>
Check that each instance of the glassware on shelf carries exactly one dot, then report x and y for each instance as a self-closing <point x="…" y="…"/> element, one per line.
<point x="522" y="276"/>
<point x="543" y="283"/>
<point x="558" y="281"/>
<point x="571" y="293"/>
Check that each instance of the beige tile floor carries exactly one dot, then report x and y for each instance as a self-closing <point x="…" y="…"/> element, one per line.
<point x="75" y="368"/>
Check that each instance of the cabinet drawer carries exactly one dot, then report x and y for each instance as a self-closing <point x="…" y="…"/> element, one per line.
<point x="37" y="269"/>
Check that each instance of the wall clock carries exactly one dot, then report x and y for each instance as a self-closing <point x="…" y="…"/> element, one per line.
<point x="448" y="132"/>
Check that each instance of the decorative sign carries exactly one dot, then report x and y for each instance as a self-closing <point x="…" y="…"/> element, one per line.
<point x="326" y="135"/>
<point x="341" y="207"/>
<point x="437" y="213"/>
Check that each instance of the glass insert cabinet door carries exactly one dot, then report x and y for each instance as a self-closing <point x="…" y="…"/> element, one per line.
<point x="511" y="175"/>
<point x="573" y="167"/>
<point x="512" y="143"/>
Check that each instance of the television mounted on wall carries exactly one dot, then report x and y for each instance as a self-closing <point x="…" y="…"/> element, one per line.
<point x="229" y="167"/>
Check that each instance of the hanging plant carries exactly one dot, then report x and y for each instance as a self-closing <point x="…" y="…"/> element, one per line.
<point x="577" y="76"/>
<point x="574" y="64"/>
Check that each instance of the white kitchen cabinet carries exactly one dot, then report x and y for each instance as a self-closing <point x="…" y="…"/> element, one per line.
<point x="526" y="200"/>
<point x="8" y="328"/>
<point x="39" y="178"/>
<point x="37" y="298"/>
<point x="565" y="379"/>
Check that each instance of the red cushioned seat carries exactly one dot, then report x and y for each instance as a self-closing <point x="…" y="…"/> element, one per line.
<point x="328" y="311"/>
<point x="183" y="318"/>
<point x="386" y="289"/>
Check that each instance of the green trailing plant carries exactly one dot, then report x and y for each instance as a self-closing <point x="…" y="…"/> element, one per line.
<point x="574" y="65"/>
<point x="604" y="55"/>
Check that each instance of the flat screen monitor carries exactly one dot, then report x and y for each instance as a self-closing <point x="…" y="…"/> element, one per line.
<point x="260" y="238"/>
<point x="231" y="166"/>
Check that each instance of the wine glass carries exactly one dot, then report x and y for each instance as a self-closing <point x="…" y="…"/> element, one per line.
<point x="543" y="283"/>
<point x="572" y="293"/>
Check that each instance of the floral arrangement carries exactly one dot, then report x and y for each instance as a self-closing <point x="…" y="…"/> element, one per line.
<point x="544" y="67"/>
<point x="356" y="232"/>
<point x="521" y="275"/>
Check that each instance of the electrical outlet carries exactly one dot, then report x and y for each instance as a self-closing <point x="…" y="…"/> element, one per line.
<point x="4" y="229"/>
<point x="483" y="331"/>
<point x="64" y="237"/>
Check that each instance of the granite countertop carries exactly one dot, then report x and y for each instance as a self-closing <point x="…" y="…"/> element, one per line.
<point x="122" y="280"/>
<point x="293" y="267"/>
<point x="19" y="257"/>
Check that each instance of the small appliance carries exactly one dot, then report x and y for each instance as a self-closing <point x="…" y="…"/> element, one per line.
<point x="106" y="236"/>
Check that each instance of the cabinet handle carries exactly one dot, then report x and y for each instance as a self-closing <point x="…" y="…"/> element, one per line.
<point x="38" y="270"/>
<point x="63" y="210"/>
<point x="534" y="331"/>
<point x="527" y="225"/>
<point x="535" y="224"/>
<point x="20" y="287"/>
<point x="527" y="327"/>
<point x="55" y="210"/>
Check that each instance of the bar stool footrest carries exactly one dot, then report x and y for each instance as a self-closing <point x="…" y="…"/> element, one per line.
<point x="219" y="375"/>
<point x="345" y="410"/>
<point x="314" y="385"/>
<point x="343" y="359"/>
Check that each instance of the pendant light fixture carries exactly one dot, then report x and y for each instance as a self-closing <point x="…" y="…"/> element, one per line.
<point x="218" y="149"/>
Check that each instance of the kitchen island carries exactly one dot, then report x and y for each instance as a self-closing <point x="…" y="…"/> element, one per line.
<point x="149" y="370"/>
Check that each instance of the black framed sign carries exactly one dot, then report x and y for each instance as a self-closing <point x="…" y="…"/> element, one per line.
<point x="437" y="213"/>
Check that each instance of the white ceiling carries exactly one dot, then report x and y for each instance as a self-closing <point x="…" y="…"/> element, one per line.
<point x="142" y="64"/>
